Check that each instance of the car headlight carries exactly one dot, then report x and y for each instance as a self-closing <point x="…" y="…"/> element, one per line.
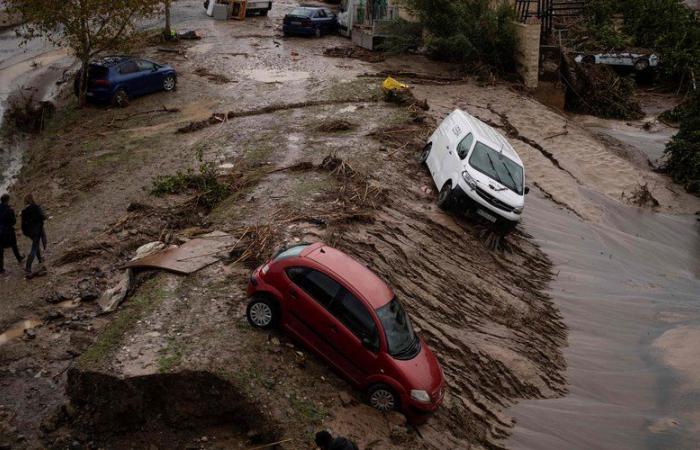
<point x="518" y="210"/>
<point x="420" y="396"/>
<point x="471" y="182"/>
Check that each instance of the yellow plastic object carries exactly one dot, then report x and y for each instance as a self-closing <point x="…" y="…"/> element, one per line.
<point x="392" y="85"/>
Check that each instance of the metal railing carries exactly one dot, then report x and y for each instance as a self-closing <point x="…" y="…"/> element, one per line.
<point x="374" y="13"/>
<point x="548" y="10"/>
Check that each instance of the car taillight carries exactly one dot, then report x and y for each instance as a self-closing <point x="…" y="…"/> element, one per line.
<point x="100" y="82"/>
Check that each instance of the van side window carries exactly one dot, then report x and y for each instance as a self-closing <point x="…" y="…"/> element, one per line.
<point x="320" y="287"/>
<point x="352" y="313"/>
<point x="465" y="145"/>
<point x="128" y="67"/>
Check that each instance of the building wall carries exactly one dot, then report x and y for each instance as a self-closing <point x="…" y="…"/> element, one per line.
<point x="529" y="54"/>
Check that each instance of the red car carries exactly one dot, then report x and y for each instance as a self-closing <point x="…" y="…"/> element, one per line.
<point x="353" y="320"/>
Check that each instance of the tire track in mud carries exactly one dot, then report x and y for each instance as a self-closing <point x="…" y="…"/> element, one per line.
<point x="486" y="315"/>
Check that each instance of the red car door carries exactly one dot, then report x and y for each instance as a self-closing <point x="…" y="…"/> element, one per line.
<point x="355" y="336"/>
<point x="309" y="295"/>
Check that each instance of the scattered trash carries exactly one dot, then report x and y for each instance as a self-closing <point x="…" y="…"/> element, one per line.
<point x="189" y="35"/>
<point x="188" y="258"/>
<point x="113" y="297"/>
<point x="400" y="93"/>
<point x="642" y="197"/>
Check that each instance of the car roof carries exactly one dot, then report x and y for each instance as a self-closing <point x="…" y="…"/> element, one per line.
<point x="370" y="286"/>
<point x="113" y="60"/>
<point x="488" y="135"/>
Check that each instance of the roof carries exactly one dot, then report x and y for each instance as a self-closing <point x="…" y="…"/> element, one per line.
<point x="489" y="136"/>
<point x="109" y="61"/>
<point x="369" y="285"/>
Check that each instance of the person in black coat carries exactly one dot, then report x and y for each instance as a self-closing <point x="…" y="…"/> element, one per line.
<point x="325" y="441"/>
<point x="8" y="239"/>
<point x="33" y="219"/>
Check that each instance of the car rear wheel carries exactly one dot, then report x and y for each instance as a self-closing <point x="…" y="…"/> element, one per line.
<point x="262" y="312"/>
<point x="169" y="83"/>
<point x="317" y="32"/>
<point x="426" y="152"/>
<point x="121" y="98"/>
<point x="382" y="398"/>
<point x="445" y="198"/>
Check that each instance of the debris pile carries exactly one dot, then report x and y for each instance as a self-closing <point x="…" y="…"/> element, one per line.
<point x="333" y="125"/>
<point x="27" y="115"/>
<point x="355" y="53"/>
<point x="213" y="77"/>
<point x="597" y="90"/>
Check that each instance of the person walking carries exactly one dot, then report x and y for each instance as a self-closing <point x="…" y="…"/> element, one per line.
<point x="8" y="239"/>
<point x="324" y="441"/>
<point x="33" y="219"/>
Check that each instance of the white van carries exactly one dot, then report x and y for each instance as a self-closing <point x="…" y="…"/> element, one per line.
<point x="252" y="6"/>
<point x="477" y="170"/>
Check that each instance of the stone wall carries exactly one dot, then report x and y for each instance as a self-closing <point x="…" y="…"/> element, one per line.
<point x="529" y="54"/>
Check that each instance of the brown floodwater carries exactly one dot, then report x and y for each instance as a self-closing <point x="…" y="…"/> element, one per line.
<point x="629" y="291"/>
<point x="18" y="329"/>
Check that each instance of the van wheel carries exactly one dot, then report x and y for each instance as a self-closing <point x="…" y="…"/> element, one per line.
<point x="444" y="200"/>
<point x="426" y="152"/>
<point x="262" y="312"/>
<point x="121" y="98"/>
<point x="382" y="398"/>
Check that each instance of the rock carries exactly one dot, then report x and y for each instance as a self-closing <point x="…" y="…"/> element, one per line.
<point x="274" y="341"/>
<point x="29" y="334"/>
<point x="53" y="315"/>
<point x="399" y="435"/>
<point x="148" y="249"/>
<point x="345" y="398"/>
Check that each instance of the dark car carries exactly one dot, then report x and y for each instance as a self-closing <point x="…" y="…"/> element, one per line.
<point x="341" y="310"/>
<point x="310" y="21"/>
<point x="116" y="79"/>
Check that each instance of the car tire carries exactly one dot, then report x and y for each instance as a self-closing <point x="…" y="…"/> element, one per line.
<point x="169" y="83"/>
<point x="317" y="32"/>
<point x="382" y="398"/>
<point x="505" y="227"/>
<point x="262" y="312"/>
<point x="641" y="65"/>
<point x="425" y="153"/>
<point x="444" y="200"/>
<point x="120" y="98"/>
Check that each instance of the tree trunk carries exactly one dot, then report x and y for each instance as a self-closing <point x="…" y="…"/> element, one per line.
<point x="83" y="82"/>
<point x="167" y="30"/>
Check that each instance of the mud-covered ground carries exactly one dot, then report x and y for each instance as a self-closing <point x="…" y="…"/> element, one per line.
<point x="178" y="366"/>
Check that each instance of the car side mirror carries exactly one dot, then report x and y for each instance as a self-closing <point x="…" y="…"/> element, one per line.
<point x="527" y="190"/>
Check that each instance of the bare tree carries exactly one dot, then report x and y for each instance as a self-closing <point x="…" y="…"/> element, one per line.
<point x="87" y="27"/>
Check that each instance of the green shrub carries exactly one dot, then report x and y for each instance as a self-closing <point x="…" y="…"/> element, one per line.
<point x="204" y="183"/>
<point x="683" y="152"/>
<point x="470" y="32"/>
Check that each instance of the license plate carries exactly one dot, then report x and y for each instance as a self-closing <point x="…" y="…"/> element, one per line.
<point x="486" y="215"/>
<point x="89" y="94"/>
<point x="296" y="23"/>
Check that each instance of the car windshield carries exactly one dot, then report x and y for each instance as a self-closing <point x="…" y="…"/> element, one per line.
<point x="300" y="12"/>
<point x="290" y="252"/>
<point x="402" y="342"/>
<point x="497" y="166"/>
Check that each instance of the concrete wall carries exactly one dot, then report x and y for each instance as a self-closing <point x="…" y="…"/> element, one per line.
<point x="529" y="54"/>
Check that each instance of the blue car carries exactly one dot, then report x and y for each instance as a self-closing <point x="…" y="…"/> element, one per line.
<point x="310" y="21"/>
<point x="116" y="79"/>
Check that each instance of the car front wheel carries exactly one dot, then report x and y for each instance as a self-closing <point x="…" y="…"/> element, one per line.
<point x="262" y="312"/>
<point x="445" y="198"/>
<point x="169" y="83"/>
<point x="382" y="398"/>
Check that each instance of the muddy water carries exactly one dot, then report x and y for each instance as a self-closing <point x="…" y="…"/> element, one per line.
<point x="626" y="287"/>
<point x="18" y="330"/>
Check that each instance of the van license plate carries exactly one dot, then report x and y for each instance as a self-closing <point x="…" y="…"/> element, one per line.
<point x="486" y="215"/>
<point x="296" y="23"/>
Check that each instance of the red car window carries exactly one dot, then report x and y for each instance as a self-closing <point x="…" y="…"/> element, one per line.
<point x="352" y="313"/>
<point x="320" y="287"/>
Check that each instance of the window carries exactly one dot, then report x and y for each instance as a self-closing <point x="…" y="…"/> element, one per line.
<point x="320" y="287"/>
<point x="352" y="313"/>
<point x="290" y="252"/>
<point x="402" y="342"/>
<point x="321" y="13"/>
<point x="497" y="166"/>
<point x="128" y="67"/>
<point x="465" y="145"/>
<point x="145" y="65"/>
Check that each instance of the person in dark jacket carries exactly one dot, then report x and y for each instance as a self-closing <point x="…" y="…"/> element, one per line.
<point x="33" y="219"/>
<point x="325" y="441"/>
<point x="8" y="239"/>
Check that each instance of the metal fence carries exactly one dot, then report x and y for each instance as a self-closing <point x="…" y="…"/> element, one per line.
<point x="547" y="11"/>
